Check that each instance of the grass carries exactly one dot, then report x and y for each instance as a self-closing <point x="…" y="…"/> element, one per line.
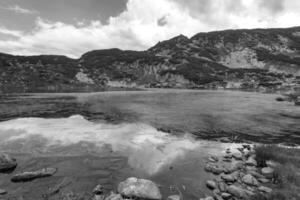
<point x="287" y="171"/>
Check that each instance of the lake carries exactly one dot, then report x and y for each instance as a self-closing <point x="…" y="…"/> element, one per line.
<point x="105" y="137"/>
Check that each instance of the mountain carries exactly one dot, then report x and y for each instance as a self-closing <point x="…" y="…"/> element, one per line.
<point x="231" y="58"/>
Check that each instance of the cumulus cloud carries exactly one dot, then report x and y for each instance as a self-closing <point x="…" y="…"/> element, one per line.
<point x="146" y="22"/>
<point x="19" y="10"/>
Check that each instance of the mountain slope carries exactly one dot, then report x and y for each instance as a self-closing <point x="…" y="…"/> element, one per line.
<point x="242" y="58"/>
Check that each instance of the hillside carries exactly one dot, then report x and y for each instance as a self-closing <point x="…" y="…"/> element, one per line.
<point x="247" y="59"/>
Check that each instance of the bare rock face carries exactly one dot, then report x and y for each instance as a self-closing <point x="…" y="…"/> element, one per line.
<point x="7" y="163"/>
<point x="139" y="188"/>
<point x="29" y="176"/>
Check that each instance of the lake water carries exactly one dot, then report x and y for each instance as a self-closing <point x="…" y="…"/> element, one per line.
<point x="164" y="135"/>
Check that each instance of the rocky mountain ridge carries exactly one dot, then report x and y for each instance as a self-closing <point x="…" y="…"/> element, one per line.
<point x="250" y="59"/>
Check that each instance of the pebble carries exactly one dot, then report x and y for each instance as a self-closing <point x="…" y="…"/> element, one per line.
<point x="222" y="186"/>
<point x="207" y="198"/>
<point x="263" y="180"/>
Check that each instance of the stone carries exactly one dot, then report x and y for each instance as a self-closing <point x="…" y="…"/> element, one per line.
<point x="251" y="162"/>
<point x="2" y="192"/>
<point x="173" y="197"/>
<point x="265" y="189"/>
<point x="217" y="194"/>
<point x="237" y="156"/>
<point x="227" y="156"/>
<point x="7" y="163"/>
<point x="225" y="195"/>
<point x="263" y="180"/>
<point x="222" y="186"/>
<point x="268" y="172"/>
<point x="99" y="197"/>
<point x="228" y="178"/>
<point x="255" y="174"/>
<point x="29" y="176"/>
<point x="211" y="184"/>
<point x="236" y="191"/>
<point x="114" y="196"/>
<point x="213" y="158"/>
<point x="98" y="190"/>
<point x="250" y="180"/>
<point x="139" y="188"/>
<point x="272" y="164"/>
<point x="207" y="198"/>
<point x="233" y="167"/>
<point x="239" y="192"/>
<point x="217" y="170"/>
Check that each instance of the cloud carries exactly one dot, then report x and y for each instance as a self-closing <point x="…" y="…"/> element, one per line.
<point x="146" y="22"/>
<point x="19" y="10"/>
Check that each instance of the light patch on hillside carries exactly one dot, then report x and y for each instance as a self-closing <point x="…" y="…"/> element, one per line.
<point x="245" y="58"/>
<point x="83" y="78"/>
<point x="297" y="34"/>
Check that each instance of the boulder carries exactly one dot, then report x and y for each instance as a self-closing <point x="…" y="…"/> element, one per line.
<point x="255" y="174"/>
<point x="265" y="189"/>
<point x="268" y="172"/>
<point x="2" y="192"/>
<point x="250" y="180"/>
<point x="29" y="176"/>
<point x="251" y="162"/>
<point x="7" y="163"/>
<point x="139" y="188"/>
<point x="173" y="197"/>
<point x="211" y="184"/>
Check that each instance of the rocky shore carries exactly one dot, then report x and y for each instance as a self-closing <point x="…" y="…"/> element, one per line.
<point x="236" y="176"/>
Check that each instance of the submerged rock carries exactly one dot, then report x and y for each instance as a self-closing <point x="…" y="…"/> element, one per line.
<point x="2" y="192"/>
<point x="268" y="172"/>
<point x="173" y="197"/>
<point x="29" y="176"/>
<point x="140" y="188"/>
<point x="7" y="163"/>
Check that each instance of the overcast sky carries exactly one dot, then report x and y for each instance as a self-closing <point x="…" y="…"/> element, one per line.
<point x="73" y="27"/>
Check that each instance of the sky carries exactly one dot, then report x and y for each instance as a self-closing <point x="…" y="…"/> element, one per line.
<point x="73" y="27"/>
